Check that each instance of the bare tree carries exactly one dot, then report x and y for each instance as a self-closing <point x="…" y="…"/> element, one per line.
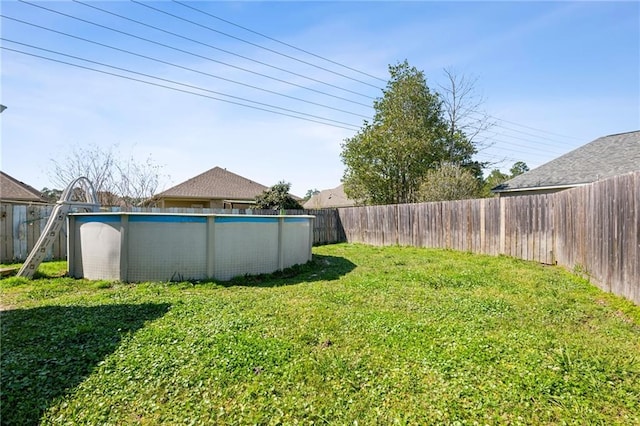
<point x="463" y="109"/>
<point x="117" y="181"/>
<point x="137" y="181"/>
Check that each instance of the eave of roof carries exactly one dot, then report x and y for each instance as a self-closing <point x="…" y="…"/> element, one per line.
<point x="541" y="188"/>
<point x="601" y="158"/>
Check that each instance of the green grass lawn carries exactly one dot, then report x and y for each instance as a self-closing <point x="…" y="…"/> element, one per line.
<point x="362" y="335"/>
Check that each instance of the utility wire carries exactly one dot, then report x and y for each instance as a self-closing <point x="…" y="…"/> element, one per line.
<point x="486" y="126"/>
<point x="554" y="143"/>
<point x="528" y="127"/>
<point x="491" y="134"/>
<point x="254" y="87"/>
<point x="223" y="50"/>
<point x="522" y="148"/>
<point x="176" y="82"/>
<point x="255" y="44"/>
<point x="511" y="129"/>
<point x="525" y="139"/>
<point x="278" y="41"/>
<point x="190" y="53"/>
<point x="173" y="88"/>
<point x="183" y="67"/>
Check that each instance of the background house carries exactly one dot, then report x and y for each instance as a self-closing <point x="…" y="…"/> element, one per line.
<point x="15" y="191"/>
<point x="603" y="158"/>
<point x="329" y="198"/>
<point x="216" y="188"/>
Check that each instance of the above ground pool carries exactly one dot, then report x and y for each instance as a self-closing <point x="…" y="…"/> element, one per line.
<point x="134" y="247"/>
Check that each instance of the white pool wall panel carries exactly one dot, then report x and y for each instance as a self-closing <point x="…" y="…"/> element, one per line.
<point x="136" y="247"/>
<point x="245" y="245"/>
<point x="296" y="236"/>
<point x="166" y="246"/>
<point x="96" y="248"/>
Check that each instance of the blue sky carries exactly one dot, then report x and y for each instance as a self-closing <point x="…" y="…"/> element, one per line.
<point x="554" y="76"/>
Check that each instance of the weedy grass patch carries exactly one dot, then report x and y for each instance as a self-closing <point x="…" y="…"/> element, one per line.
<point x="361" y="334"/>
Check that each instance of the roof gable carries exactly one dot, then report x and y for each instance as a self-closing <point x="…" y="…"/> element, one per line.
<point x="216" y="183"/>
<point x="14" y="190"/>
<point x="335" y="197"/>
<point x="602" y="158"/>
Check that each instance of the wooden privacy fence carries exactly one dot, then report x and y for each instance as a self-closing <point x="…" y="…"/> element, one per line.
<point x="594" y="228"/>
<point x="20" y="228"/>
<point x="21" y="225"/>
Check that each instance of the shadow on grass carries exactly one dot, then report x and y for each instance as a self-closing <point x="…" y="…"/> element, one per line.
<point x="320" y="268"/>
<point x="47" y="351"/>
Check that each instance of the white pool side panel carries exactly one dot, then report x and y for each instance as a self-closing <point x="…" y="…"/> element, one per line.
<point x="135" y="247"/>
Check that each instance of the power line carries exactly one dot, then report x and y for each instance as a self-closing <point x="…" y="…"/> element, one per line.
<point x="175" y="82"/>
<point x="255" y="44"/>
<point x="489" y="134"/>
<point x="494" y="134"/>
<point x="278" y="41"/>
<point x="531" y="134"/>
<point x="172" y="88"/>
<point x="488" y="125"/>
<point x="528" y="127"/>
<point x="183" y="67"/>
<point x="190" y="53"/>
<point x="223" y="50"/>
<point x="254" y="87"/>
<point x="523" y="150"/>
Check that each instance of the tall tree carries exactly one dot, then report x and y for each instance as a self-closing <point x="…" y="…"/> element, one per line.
<point x="387" y="159"/>
<point x="116" y="180"/>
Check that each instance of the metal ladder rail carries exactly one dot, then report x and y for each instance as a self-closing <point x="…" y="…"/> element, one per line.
<point x="46" y="239"/>
<point x="56" y="220"/>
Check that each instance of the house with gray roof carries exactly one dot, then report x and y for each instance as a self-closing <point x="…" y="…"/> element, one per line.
<point x="14" y="191"/>
<point x="602" y="158"/>
<point x="216" y="188"/>
<point x="329" y="198"/>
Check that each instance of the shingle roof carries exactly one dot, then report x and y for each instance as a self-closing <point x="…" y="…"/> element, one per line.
<point x="216" y="183"/>
<point x="602" y="158"/>
<point x="15" y="190"/>
<point x="329" y="198"/>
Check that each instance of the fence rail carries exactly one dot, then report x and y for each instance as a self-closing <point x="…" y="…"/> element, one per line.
<point x="594" y="228"/>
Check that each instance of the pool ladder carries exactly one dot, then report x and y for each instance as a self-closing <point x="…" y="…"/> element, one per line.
<point x="57" y="219"/>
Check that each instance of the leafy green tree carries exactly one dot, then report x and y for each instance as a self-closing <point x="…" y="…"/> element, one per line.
<point x="387" y="160"/>
<point x="277" y="198"/>
<point x="449" y="182"/>
<point x="310" y="193"/>
<point x="496" y="177"/>
<point x="51" y="195"/>
<point x="518" y="168"/>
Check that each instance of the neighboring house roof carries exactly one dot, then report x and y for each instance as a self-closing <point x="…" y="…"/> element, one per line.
<point x="329" y="198"/>
<point x="12" y="189"/>
<point x="605" y="157"/>
<point x="216" y="183"/>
